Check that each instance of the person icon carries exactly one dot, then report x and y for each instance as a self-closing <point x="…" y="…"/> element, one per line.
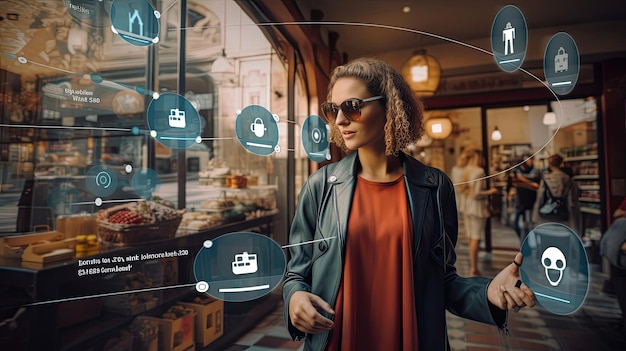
<point x="508" y="35"/>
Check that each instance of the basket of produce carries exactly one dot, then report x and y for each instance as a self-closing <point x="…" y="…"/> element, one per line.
<point x="137" y="222"/>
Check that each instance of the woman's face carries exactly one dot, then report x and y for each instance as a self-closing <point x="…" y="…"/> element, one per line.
<point x="368" y="131"/>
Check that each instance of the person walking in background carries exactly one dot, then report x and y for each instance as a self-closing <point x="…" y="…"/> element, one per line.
<point x="524" y="183"/>
<point x="475" y="203"/>
<point x="557" y="197"/>
<point x="456" y="176"/>
<point x="372" y="241"/>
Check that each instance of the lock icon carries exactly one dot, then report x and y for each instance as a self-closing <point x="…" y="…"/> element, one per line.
<point x="560" y="61"/>
<point x="258" y="128"/>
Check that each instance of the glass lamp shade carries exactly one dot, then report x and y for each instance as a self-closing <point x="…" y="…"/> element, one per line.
<point x="422" y="72"/>
<point x="496" y="135"/>
<point x="549" y="118"/>
<point x="438" y="127"/>
<point x="222" y="65"/>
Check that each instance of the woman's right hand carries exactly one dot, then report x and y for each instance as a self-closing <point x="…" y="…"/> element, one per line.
<point x="304" y="315"/>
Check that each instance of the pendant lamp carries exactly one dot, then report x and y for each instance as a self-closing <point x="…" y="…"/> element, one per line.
<point x="422" y="72"/>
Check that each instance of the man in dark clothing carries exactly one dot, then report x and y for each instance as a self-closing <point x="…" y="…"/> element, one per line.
<point x="524" y="182"/>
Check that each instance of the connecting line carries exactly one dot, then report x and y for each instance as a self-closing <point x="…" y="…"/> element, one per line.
<point x="169" y="7"/>
<point x="308" y="242"/>
<point x="104" y="201"/>
<point x="110" y="294"/>
<point x="63" y="127"/>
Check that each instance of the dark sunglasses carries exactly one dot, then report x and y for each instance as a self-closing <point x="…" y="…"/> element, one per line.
<point x="351" y="108"/>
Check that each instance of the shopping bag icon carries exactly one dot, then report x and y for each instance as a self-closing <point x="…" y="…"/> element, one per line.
<point x="560" y="61"/>
<point x="177" y="118"/>
<point x="245" y="263"/>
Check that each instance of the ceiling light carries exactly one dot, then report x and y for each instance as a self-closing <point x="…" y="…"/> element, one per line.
<point x="496" y="135"/>
<point x="549" y="118"/>
<point x="438" y="127"/>
<point x="406" y="9"/>
<point x="422" y="72"/>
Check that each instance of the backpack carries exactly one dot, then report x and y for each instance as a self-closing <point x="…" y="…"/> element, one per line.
<point x="553" y="208"/>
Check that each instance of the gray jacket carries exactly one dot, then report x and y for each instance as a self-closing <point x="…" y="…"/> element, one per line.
<point x="322" y="213"/>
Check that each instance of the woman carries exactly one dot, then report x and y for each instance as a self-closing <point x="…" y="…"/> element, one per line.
<point x="475" y="204"/>
<point x="369" y="267"/>
<point x="559" y="185"/>
<point x="456" y="176"/>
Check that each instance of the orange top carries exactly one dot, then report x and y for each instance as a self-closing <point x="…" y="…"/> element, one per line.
<point x="375" y="307"/>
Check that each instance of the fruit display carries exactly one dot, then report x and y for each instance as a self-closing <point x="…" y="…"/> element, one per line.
<point x="142" y="212"/>
<point x="138" y="222"/>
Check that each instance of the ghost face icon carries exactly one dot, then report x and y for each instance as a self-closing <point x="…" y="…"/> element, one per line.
<point x="553" y="259"/>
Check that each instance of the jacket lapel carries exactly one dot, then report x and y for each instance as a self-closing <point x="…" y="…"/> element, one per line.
<point x="420" y="183"/>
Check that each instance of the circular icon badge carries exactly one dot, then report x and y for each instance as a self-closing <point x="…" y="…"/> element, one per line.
<point x="509" y="38"/>
<point x="174" y="121"/>
<point x="257" y="130"/>
<point x="135" y="21"/>
<point x="144" y="182"/>
<point x="239" y="266"/>
<point x="555" y="267"/>
<point x="315" y="138"/>
<point x="561" y="63"/>
<point x="101" y="181"/>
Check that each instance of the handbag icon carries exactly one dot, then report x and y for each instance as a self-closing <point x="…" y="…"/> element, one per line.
<point x="560" y="61"/>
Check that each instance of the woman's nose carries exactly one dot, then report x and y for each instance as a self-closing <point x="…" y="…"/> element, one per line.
<point x="341" y="118"/>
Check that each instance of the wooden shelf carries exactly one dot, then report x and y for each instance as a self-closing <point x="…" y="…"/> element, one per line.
<point x="589" y="187"/>
<point x="586" y="176"/>
<point x="588" y="199"/>
<point x="581" y="158"/>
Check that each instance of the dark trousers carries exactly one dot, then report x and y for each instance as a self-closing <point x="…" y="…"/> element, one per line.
<point x="524" y="215"/>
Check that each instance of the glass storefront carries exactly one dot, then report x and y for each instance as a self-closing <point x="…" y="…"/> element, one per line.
<point x="124" y="152"/>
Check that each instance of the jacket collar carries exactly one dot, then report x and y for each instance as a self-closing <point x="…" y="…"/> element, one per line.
<point x="415" y="172"/>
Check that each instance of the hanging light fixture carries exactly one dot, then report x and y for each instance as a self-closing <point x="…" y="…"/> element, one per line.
<point x="549" y="118"/>
<point x="496" y="135"/>
<point x="422" y="72"/>
<point x="223" y="65"/>
<point x="438" y="127"/>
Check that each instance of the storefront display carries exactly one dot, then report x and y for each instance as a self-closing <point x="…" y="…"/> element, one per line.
<point x="111" y="210"/>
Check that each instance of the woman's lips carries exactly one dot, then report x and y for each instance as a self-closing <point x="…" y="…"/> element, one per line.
<point x="347" y="134"/>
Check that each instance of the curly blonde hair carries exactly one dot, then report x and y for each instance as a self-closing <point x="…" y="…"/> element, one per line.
<point x="404" y="112"/>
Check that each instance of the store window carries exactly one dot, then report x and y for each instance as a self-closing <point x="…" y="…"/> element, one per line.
<point x="229" y="64"/>
<point x="104" y="137"/>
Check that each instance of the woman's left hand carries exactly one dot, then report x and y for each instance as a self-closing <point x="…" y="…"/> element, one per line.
<point x="506" y="291"/>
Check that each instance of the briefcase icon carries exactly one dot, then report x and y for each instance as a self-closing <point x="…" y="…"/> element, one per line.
<point x="560" y="61"/>
<point x="245" y="263"/>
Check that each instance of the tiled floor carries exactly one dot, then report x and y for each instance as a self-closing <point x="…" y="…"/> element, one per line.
<point x="593" y="327"/>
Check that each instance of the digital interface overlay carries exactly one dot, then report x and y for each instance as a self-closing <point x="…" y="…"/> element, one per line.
<point x="174" y="122"/>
